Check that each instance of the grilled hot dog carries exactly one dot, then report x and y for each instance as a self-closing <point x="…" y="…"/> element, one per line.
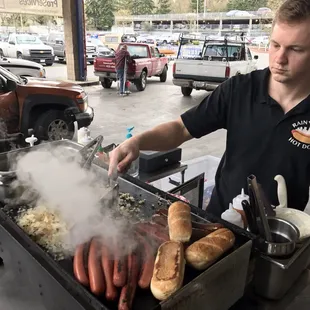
<point x="120" y="267"/>
<point x="129" y="290"/>
<point x="107" y="266"/>
<point x="96" y="276"/>
<point x="147" y="263"/>
<point x="78" y="265"/>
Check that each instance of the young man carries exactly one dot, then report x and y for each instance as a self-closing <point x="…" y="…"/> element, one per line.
<point x="121" y="60"/>
<point x="266" y="114"/>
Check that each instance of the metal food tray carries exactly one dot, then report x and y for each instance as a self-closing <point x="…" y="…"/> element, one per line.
<point x="219" y="287"/>
<point x="273" y="277"/>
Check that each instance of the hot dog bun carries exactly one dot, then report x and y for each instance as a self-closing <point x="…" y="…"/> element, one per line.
<point x="301" y="137"/>
<point x="179" y="222"/>
<point x="168" y="271"/>
<point x="204" y="252"/>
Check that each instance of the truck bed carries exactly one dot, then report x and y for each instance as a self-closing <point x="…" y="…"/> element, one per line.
<point x="200" y="70"/>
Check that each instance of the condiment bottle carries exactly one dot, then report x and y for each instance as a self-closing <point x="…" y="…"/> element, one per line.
<point x="102" y="155"/>
<point x="237" y="205"/>
<point x="134" y="167"/>
<point x="232" y="216"/>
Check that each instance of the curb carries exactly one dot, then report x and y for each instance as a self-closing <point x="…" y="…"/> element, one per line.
<point x="83" y="83"/>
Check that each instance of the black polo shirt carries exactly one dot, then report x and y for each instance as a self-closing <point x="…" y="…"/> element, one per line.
<point x="261" y="140"/>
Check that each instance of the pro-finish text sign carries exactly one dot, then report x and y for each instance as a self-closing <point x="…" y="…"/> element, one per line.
<point x="39" y="7"/>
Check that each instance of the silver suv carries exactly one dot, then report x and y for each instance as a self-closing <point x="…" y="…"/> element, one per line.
<point x="57" y="42"/>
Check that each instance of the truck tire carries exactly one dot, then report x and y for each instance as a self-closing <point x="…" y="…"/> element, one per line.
<point x="163" y="76"/>
<point x="106" y="83"/>
<point x="19" y="55"/>
<point x="53" y="125"/>
<point x="186" y="91"/>
<point x="141" y="82"/>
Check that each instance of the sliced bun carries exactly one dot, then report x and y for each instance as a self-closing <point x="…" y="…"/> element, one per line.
<point x="204" y="252"/>
<point x="168" y="273"/>
<point x="179" y="222"/>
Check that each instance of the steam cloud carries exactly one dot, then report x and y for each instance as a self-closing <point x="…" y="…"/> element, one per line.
<point x="62" y="185"/>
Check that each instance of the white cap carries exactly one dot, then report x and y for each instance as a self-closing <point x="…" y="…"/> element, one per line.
<point x="237" y="201"/>
<point x="232" y="216"/>
<point x="31" y="140"/>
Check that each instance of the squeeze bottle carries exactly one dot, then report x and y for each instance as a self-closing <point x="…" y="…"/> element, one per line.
<point x="232" y="216"/>
<point x="237" y="205"/>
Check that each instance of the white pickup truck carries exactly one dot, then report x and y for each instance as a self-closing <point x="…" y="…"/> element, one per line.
<point x="29" y="47"/>
<point x="218" y="61"/>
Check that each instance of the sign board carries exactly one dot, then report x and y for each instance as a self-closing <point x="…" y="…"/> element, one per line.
<point x="36" y="7"/>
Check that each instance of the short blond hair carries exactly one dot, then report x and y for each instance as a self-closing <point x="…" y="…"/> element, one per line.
<point x="293" y="11"/>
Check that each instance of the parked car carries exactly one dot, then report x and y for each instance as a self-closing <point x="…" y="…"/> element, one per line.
<point x="218" y="61"/>
<point x="50" y="108"/>
<point x="100" y="47"/>
<point x="57" y="41"/>
<point x="264" y="11"/>
<point x="29" y="47"/>
<point x="23" y="67"/>
<point x="146" y="62"/>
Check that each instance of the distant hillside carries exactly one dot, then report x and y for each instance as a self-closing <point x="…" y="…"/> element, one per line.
<point x="183" y="6"/>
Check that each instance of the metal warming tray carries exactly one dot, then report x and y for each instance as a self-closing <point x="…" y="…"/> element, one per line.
<point x="219" y="287"/>
<point x="273" y="277"/>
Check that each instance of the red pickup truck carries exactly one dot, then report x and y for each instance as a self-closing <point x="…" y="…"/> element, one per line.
<point x="147" y="61"/>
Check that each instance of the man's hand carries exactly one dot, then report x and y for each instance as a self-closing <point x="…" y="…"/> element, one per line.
<point x="122" y="156"/>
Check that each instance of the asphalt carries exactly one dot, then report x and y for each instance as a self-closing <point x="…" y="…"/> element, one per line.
<point x="159" y="103"/>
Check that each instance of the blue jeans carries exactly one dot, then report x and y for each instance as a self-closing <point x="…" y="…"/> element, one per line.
<point x="121" y="77"/>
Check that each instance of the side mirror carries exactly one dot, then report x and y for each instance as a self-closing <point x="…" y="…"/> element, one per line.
<point x="11" y="85"/>
<point x="256" y="57"/>
<point x="12" y="43"/>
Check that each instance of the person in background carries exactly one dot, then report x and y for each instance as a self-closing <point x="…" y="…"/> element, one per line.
<point x="122" y="57"/>
<point x="266" y="114"/>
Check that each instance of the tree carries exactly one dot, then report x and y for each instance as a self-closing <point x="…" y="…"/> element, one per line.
<point x="43" y="20"/>
<point x="100" y="13"/>
<point x="123" y="5"/>
<point x="163" y="7"/>
<point x="142" y="7"/>
<point x="200" y="6"/>
<point x="274" y="4"/>
<point x="246" y="5"/>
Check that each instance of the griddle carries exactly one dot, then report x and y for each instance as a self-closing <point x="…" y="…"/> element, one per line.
<point x="218" y="287"/>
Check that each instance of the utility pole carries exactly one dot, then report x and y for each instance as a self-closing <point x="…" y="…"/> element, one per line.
<point x="197" y="16"/>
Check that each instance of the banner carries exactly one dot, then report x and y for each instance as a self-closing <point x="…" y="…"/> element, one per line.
<point x="37" y="7"/>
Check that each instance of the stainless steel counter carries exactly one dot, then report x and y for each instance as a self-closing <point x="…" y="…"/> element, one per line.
<point x="14" y="292"/>
<point x="15" y="295"/>
<point x="298" y="298"/>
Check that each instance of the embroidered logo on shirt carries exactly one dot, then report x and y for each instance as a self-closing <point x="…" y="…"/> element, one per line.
<point x="301" y="134"/>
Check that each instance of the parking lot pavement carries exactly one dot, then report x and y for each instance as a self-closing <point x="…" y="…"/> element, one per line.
<point x="160" y="102"/>
<point x="59" y="71"/>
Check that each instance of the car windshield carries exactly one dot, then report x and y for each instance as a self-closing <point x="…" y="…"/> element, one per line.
<point x="137" y="51"/>
<point x="27" y="39"/>
<point x="9" y="76"/>
<point x="96" y="42"/>
<point x="220" y="50"/>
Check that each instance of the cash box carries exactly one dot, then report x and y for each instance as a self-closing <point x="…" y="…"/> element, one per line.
<point x="153" y="161"/>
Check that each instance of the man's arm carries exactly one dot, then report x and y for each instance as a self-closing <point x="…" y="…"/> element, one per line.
<point x="161" y="138"/>
<point x="164" y="137"/>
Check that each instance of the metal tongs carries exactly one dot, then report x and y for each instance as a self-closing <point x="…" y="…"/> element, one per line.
<point x="110" y="199"/>
<point x="259" y="203"/>
<point x="87" y="158"/>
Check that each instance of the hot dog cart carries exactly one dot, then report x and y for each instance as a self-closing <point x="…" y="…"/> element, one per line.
<point x="30" y="278"/>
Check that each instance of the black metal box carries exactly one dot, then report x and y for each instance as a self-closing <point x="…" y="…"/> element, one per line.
<point x="153" y="161"/>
